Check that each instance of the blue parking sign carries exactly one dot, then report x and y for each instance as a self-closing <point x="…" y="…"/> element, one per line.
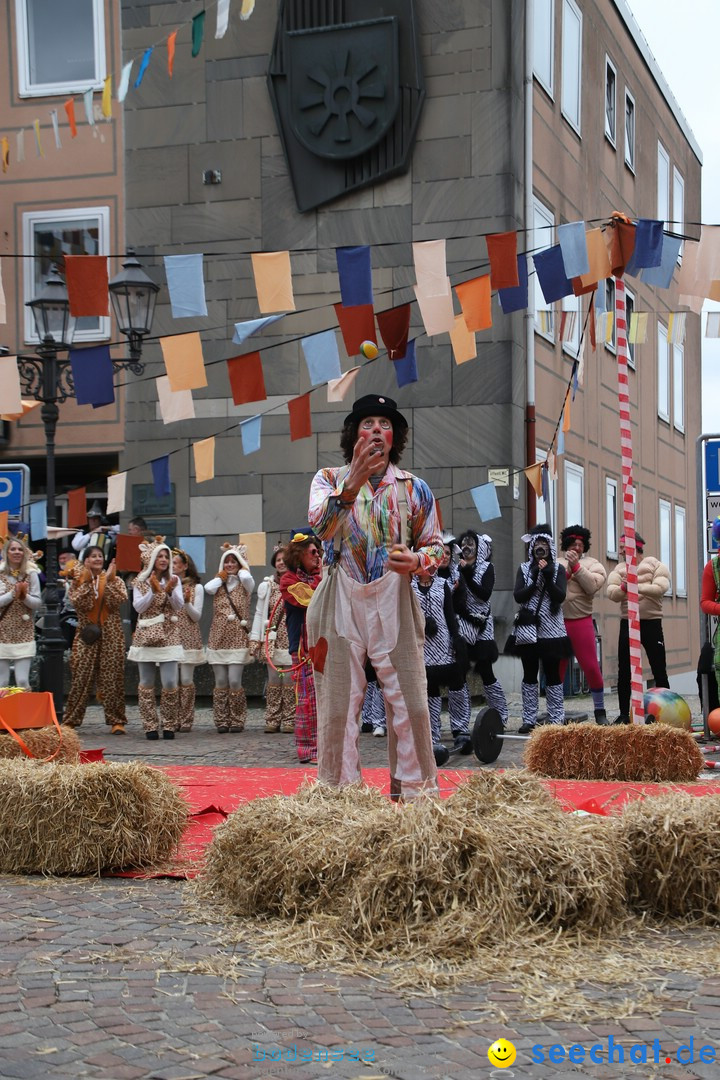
<point x="14" y="489"/>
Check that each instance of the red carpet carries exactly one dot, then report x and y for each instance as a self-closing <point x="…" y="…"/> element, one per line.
<point x="214" y="793"/>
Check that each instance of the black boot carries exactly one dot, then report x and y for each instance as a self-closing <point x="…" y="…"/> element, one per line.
<point x="601" y="717"/>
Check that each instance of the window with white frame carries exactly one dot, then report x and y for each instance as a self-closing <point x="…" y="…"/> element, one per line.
<point x="48" y="236"/>
<point x="543" y="513"/>
<point x="543" y="237"/>
<point x="610" y="307"/>
<point x="665" y="518"/>
<point x="611" y="518"/>
<point x="663" y="369"/>
<point x="572" y="63"/>
<point x="680" y="553"/>
<point x="663" y="185"/>
<point x="544" y="42"/>
<point x="678" y="387"/>
<point x="629" y="130"/>
<point x="570" y="325"/>
<point x="629" y="312"/>
<point x="60" y="46"/>
<point x="610" y="100"/>
<point x="678" y="206"/>
<point x="574" y="493"/>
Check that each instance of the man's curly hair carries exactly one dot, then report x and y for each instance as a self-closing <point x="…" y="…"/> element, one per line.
<point x="349" y="436"/>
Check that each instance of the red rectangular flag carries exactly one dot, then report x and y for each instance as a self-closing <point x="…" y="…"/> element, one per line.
<point x="394" y="326"/>
<point x="300" y="422"/>
<point x="357" y="324"/>
<point x="77" y="508"/>
<point x="502" y="249"/>
<point x="247" y="382"/>
<point x="86" y="277"/>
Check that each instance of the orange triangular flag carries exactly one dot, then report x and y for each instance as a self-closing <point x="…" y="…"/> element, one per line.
<point x="5" y="153"/>
<point x="474" y="297"/>
<point x="566" y="415"/>
<point x="171" y="52"/>
<point x="204" y="455"/>
<point x="300" y="422"/>
<point x="534" y="476"/>
<point x="3" y="524"/>
<point x="70" y="110"/>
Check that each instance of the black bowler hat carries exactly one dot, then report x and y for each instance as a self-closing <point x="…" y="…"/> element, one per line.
<point x="374" y="405"/>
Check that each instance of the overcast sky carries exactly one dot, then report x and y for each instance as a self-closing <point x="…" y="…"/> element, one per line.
<point x="684" y="40"/>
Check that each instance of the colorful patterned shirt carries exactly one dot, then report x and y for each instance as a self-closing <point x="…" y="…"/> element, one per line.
<point x="371" y="525"/>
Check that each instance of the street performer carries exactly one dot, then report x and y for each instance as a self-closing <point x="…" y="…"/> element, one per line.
<point x="380" y="525"/>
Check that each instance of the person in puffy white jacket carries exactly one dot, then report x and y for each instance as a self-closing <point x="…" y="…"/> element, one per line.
<point x="653" y="583"/>
<point x="585" y="578"/>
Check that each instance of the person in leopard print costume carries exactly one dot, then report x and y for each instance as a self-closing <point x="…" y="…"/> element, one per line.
<point x="20" y="597"/>
<point x="97" y="597"/>
<point x="189" y="634"/>
<point x="228" y="643"/>
<point x="280" y="692"/>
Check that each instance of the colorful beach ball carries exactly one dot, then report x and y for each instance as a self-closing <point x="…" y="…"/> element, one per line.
<point x="369" y="350"/>
<point x="666" y="707"/>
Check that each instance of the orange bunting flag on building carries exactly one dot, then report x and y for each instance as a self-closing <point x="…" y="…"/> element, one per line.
<point x="247" y="382"/>
<point x="86" y="277"/>
<point x="38" y="143"/>
<point x="171" y="52"/>
<point x="502" y="250"/>
<point x="107" y="98"/>
<point x="3" y="523"/>
<point x="300" y="421"/>
<point x="273" y="281"/>
<point x="5" y="153"/>
<point x="204" y="457"/>
<point x="184" y="361"/>
<point x="464" y="345"/>
<point x="566" y="415"/>
<point x="474" y="297"/>
<point x="77" y="508"/>
<point x="69" y="107"/>
<point x="534" y="476"/>
<point x="598" y="259"/>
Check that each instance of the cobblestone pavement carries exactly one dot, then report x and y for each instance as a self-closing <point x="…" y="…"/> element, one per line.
<point x="97" y="980"/>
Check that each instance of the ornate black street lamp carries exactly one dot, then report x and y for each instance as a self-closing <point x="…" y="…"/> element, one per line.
<point x="48" y="379"/>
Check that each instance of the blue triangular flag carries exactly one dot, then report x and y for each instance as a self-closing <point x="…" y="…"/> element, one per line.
<point x="250" y="431"/>
<point x="92" y="373"/>
<point x="574" y="248"/>
<point x="648" y="246"/>
<point x="355" y="272"/>
<point x="552" y="277"/>
<point x="194" y="546"/>
<point x="486" y="501"/>
<point x="406" y="369"/>
<point x="574" y="380"/>
<point x="661" y="276"/>
<point x="244" y="330"/>
<point x="38" y="520"/>
<point x="161" y="476"/>
<point x="186" y="285"/>
<point x="516" y="298"/>
<point x="322" y="357"/>
<point x="143" y="66"/>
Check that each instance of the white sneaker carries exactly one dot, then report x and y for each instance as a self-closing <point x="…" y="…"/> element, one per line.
<point x="380" y="731"/>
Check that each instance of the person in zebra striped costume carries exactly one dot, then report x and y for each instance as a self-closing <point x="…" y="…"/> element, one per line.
<point x="471" y="598"/>
<point x="540" y="589"/>
<point x="445" y="655"/>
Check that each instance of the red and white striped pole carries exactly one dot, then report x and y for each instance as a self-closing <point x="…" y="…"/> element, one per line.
<point x="636" y="681"/>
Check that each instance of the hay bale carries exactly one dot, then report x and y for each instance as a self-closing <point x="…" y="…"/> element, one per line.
<point x="43" y="742"/>
<point x="674" y="870"/>
<point x="83" y="819"/>
<point x="497" y="857"/>
<point x="635" y="752"/>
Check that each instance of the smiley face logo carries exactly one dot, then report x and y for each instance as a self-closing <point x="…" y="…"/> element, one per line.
<point x="502" y="1054"/>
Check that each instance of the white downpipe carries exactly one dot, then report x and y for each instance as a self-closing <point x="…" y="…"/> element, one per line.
<point x="528" y="163"/>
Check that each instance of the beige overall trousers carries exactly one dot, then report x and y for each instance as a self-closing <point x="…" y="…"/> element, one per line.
<point x="349" y="622"/>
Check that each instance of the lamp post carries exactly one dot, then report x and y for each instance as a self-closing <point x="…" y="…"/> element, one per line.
<point x="48" y="379"/>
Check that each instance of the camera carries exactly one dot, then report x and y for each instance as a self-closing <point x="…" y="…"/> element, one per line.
<point x="541" y="551"/>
